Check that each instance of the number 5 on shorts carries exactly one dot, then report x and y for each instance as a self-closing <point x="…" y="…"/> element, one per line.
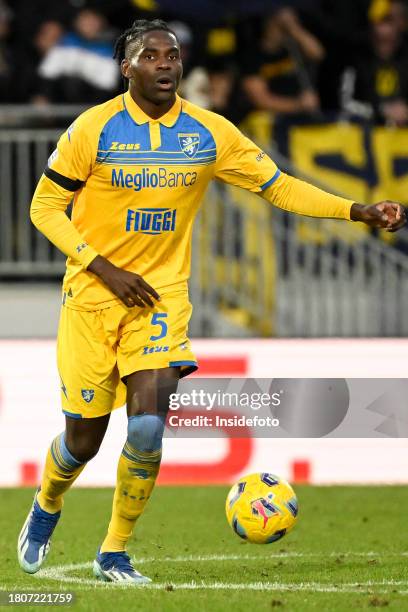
<point x="157" y="319"/>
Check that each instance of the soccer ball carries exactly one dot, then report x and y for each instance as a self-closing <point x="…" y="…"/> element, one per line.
<point x="261" y="508"/>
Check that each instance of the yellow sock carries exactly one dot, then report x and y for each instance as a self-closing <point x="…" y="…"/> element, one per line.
<point x="136" y="477"/>
<point x="60" y="471"/>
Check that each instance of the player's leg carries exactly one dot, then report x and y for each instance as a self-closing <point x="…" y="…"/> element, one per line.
<point x="153" y="353"/>
<point x="87" y="366"/>
<point x="147" y="404"/>
<point x="67" y="456"/>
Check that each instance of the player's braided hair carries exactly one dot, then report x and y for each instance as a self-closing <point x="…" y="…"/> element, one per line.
<point x="135" y="34"/>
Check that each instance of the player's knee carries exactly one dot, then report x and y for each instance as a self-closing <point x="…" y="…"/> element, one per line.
<point x="83" y="450"/>
<point x="145" y="431"/>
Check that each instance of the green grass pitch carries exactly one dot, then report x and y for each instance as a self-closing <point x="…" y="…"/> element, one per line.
<point x="349" y="550"/>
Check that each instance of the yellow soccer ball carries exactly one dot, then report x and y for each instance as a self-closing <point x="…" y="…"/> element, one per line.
<point x="261" y="508"/>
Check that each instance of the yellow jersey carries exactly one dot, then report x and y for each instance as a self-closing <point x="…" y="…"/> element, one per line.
<point x="137" y="184"/>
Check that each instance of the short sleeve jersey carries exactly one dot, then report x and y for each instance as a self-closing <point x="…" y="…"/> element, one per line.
<point x="138" y="186"/>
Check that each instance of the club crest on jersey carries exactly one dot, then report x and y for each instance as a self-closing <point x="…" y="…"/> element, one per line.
<point x="88" y="394"/>
<point x="189" y="143"/>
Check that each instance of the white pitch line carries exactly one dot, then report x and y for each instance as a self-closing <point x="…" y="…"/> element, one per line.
<point x="51" y="573"/>
<point x="246" y="557"/>
<point x="59" y="573"/>
<point x="280" y="555"/>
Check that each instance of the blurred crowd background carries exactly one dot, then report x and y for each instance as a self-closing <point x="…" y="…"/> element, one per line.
<point x="321" y="85"/>
<point x="294" y="58"/>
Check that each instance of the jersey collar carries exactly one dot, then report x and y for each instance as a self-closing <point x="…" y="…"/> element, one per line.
<point x="169" y="119"/>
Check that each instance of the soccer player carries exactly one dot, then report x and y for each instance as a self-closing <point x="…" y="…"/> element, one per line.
<point x="137" y="168"/>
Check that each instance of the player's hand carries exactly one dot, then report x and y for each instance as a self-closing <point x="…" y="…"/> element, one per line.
<point x="386" y="215"/>
<point x="128" y="286"/>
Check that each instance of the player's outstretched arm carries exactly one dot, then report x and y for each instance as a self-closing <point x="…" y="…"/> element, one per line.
<point x="387" y="215"/>
<point x="242" y="163"/>
<point x="294" y="195"/>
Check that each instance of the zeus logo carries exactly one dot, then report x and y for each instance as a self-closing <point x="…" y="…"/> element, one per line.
<point x="124" y="146"/>
<point x="151" y="220"/>
<point x="146" y="178"/>
<point x="154" y="349"/>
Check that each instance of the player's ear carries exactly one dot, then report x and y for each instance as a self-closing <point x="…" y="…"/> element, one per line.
<point x="125" y="68"/>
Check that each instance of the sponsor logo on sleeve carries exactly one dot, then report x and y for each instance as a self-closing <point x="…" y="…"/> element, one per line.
<point x="70" y="130"/>
<point x="52" y="157"/>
